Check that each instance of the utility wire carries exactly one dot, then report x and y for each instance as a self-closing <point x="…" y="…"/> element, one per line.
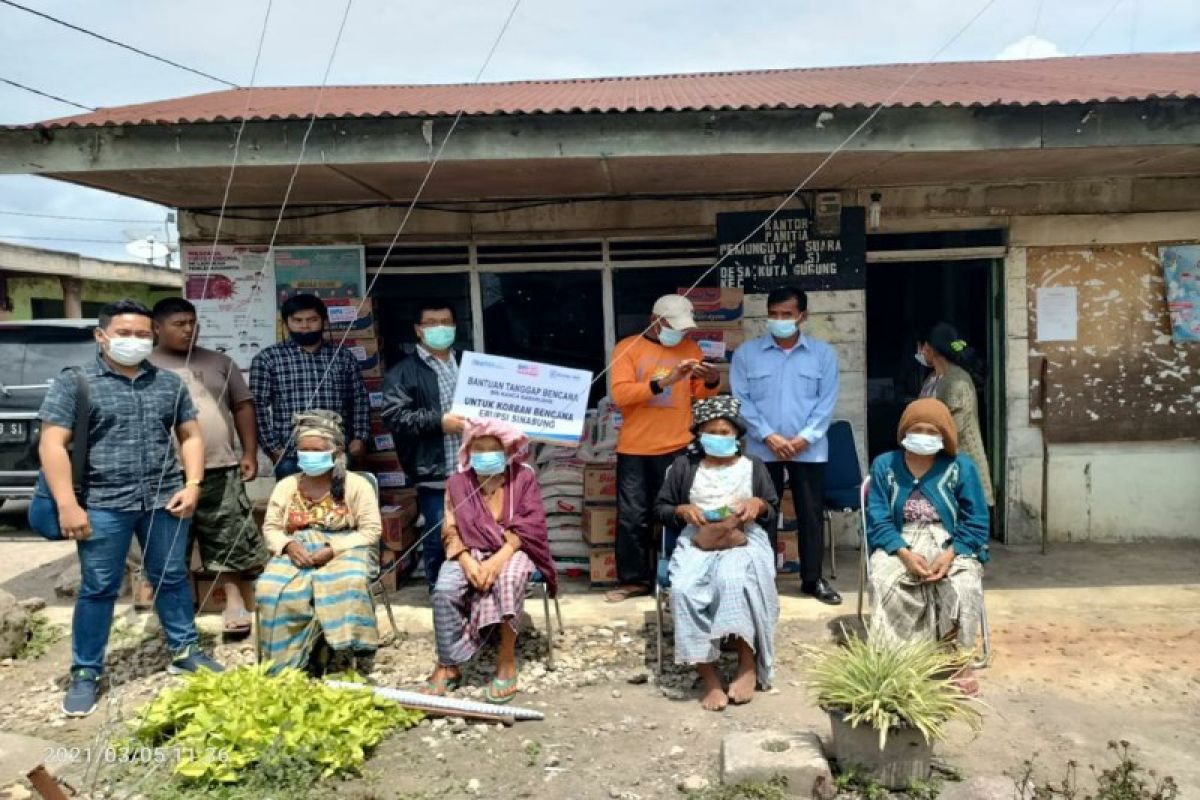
<point x="53" y="97"/>
<point x="122" y="45"/>
<point x="80" y="219"/>
<point x="59" y="239"/>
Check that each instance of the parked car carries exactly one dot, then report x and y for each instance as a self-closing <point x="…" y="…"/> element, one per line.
<point x="31" y="355"/>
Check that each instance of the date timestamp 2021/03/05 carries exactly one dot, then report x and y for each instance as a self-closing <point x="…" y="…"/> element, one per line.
<point x="132" y="755"/>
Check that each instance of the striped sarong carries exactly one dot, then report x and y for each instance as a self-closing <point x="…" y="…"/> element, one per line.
<point x="298" y="606"/>
<point x="462" y="616"/>
<point x="720" y="593"/>
<point x="904" y="608"/>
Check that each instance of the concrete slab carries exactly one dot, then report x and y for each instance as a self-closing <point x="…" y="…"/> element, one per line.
<point x="761" y="755"/>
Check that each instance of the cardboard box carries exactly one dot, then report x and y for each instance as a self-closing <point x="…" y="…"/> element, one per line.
<point x="375" y="400"/>
<point x="351" y="314"/>
<point x="366" y="352"/>
<point x="388" y="461"/>
<point x="383" y="443"/>
<point x="787" y="552"/>
<point x="378" y="426"/>
<point x="787" y="512"/>
<point x="392" y="567"/>
<point x="602" y="564"/>
<point x="600" y="524"/>
<point x="711" y="304"/>
<point x="731" y="336"/>
<point x="392" y="480"/>
<point x="399" y="530"/>
<point x="600" y="484"/>
<point x="373" y="385"/>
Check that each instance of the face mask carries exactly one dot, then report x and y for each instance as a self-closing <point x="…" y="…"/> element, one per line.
<point x="129" y="351"/>
<point x="306" y="338"/>
<point x="314" y="462"/>
<point x="719" y="446"/>
<point x="922" y="444"/>
<point x="669" y="337"/>
<point x="921" y="359"/>
<point x="782" y="328"/>
<point x="488" y="463"/>
<point x="439" y="337"/>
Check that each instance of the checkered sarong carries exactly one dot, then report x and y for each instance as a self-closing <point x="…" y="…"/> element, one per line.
<point x="462" y="616"/>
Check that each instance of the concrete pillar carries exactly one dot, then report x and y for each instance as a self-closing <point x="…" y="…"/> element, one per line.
<point x="72" y="290"/>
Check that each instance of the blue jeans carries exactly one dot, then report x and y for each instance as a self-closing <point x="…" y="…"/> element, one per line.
<point x="286" y="467"/>
<point x="432" y="503"/>
<point x="164" y="541"/>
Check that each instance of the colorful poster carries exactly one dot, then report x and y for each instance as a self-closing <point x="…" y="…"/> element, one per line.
<point x="328" y="271"/>
<point x="231" y="287"/>
<point x="548" y="403"/>
<point x="1181" y="271"/>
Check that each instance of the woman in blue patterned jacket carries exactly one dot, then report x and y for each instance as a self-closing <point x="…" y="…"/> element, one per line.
<point x="927" y="532"/>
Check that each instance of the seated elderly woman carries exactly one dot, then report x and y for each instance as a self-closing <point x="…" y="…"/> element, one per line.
<point x="322" y="526"/>
<point x="723" y="568"/>
<point x="927" y="530"/>
<point x="495" y="537"/>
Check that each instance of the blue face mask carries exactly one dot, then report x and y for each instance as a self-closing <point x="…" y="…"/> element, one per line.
<point x="669" y="337"/>
<point x="488" y="463"/>
<point x="719" y="446"/>
<point x="314" y="462"/>
<point x="782" y="328"/>
<point x="439" y="337"/>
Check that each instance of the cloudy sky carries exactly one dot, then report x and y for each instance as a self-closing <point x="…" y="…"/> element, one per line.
<point x="421" y="41"/>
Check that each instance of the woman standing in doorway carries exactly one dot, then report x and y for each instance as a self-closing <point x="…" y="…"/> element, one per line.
<point x="956" y="370"/>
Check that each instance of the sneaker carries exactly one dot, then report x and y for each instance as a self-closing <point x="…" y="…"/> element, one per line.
<point x="191" y="659"/>
<point x="80" y="699"/>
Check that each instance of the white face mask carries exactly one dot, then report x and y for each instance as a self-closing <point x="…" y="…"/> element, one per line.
<point x="129" y="351"/>
<point x="922" y="444"/>
<point x="921" y="359"/>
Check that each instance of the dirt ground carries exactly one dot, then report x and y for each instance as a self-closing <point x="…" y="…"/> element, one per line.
<point x="1090" y="644"/>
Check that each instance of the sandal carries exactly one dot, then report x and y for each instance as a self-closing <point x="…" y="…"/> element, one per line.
<point x="239" y="625"/>
<point x="441" y="687"/>
<point x="494" y="692"/>
<point x="622" y="593"/>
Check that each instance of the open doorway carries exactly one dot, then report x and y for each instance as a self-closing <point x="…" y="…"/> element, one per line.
<point x="904" y="300"/>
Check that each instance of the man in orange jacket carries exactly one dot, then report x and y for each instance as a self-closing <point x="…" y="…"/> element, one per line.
<point x="655" y="377"/>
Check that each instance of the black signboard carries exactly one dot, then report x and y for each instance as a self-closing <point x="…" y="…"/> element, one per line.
<point x="789" y="251"/>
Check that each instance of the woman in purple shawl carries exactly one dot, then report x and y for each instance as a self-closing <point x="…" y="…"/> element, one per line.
<point x="494" y="533"/>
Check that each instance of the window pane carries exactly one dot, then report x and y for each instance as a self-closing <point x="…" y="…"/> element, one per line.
<point x="551" y="317"/>
<point x="635" y="290"/>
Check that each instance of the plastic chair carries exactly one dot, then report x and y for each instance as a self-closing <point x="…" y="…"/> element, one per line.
<point x="843" y="475"/>
<point x="538" y="580"/>
<point x="375" y="588"/>
<point x="864" y="583"/>
<point x="662" y="584"/>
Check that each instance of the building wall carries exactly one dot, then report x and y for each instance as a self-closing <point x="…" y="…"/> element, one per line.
<point x="1097" y="491"/>
<point x="24" y="289"/>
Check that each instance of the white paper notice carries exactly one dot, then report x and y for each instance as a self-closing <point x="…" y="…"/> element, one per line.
<point x="1057" y="314"/>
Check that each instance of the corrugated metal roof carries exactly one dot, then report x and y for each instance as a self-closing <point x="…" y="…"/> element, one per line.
<point x="983" y="83"/>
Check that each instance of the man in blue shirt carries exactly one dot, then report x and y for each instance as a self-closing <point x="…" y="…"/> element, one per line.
<point x="788" y="382"/>
<point x="135" y="485"/>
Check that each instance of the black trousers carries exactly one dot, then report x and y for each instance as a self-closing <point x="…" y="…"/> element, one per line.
<point x="807" y="482"/>
<point x="639" y="479"/>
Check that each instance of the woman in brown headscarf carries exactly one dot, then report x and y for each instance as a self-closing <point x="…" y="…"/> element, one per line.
<point x="927" y="530"/>
<point x="323" y="528"/>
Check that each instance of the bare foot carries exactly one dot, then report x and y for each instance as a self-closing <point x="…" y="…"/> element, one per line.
<point x="741" y="689"/>
<point x="714" y="698"/>
<point x="442" y="681"/>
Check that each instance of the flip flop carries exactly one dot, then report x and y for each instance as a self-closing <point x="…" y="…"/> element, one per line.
<point x="241" y="625"/>
<point x="440" y="687"/>
<point x="492" y="693"/>
<point x="626" y="593"/>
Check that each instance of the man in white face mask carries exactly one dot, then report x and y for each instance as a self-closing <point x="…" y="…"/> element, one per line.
<point x="134" y="486"/>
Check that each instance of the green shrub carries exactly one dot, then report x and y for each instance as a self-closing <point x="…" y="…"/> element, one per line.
<point x="40" y="637"/>
<point x="891" y="686"/>
<point x="220" y="725"/>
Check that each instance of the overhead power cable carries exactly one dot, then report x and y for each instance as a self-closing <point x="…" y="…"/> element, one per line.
<point x="122" y="45"/>
<point x="47" y="95"/>
<point x="36" y="215"/>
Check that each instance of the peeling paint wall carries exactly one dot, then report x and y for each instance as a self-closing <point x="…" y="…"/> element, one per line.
<point x="1131" y="474"/>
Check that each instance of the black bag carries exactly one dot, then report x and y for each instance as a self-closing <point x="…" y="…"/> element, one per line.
<point x="43" y="511"/>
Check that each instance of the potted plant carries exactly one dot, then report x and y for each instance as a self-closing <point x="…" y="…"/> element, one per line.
<point x="889" y="703"/>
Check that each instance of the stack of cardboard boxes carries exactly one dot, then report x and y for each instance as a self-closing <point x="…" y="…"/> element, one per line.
<point x="600" y="522"/>
<point x="356" y="320"/>
<point x="718" y="315"/>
